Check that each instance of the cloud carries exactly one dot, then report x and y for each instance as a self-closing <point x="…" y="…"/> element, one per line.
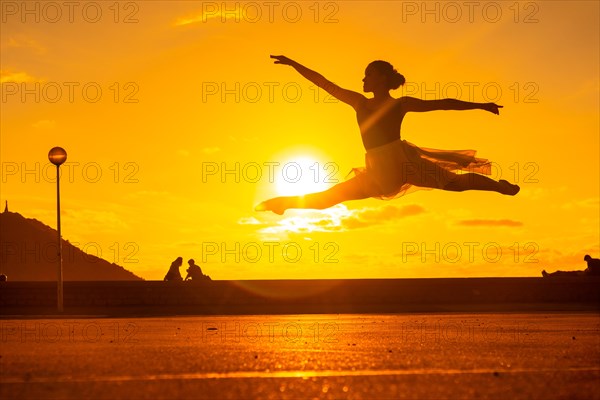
<point x="489" y="222"/>
<point x="211" y="150"/>
<point x="339" y="218"/>
<point x="249" y="221"/>
<point x="44" y="124"/>
<point x="592" y="202"/>
<point x="373" y="216"/>
<point x="223" y="13"/>
<point x="22" y="42"/>
<point x="17" y="77"/>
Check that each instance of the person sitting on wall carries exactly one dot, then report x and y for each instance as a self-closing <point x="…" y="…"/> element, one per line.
<point x="173" y="274"/>
<point x="194" y="272"/>
<point x="593" y="269"/>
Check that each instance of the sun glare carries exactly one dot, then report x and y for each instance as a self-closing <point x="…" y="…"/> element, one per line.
<point x="302" y="175"/>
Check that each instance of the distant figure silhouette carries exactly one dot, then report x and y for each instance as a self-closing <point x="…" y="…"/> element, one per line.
<point x="593" y="269"/>
<point x="194" y="272"/>
<point x="393" y="165"/>
<point x="173" y="274"/>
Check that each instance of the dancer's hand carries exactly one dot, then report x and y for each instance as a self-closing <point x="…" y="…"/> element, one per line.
<point x="283" y="60"/>
<point x="492" y="107"/>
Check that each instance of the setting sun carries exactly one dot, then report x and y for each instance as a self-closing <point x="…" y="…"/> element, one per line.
<point x="302" y="175"/>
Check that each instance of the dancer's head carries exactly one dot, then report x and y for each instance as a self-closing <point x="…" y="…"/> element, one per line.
<point x="587" y="257"/>
<point x="381" y="75"/>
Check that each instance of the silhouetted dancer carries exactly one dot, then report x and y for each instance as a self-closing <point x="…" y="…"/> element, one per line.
<point x="593" y="269"/>
<point x="194" y="272"/>
<point x="393" y="165"/>
<point x="173" y="274"/>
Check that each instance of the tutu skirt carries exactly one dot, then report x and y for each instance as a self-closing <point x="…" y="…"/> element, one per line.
<point x="399" y="167"/>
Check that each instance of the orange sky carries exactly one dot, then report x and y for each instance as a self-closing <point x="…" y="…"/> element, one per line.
<point x="134" y="93"/>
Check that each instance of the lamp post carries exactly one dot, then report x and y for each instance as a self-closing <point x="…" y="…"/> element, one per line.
<point x="57" y="156"/>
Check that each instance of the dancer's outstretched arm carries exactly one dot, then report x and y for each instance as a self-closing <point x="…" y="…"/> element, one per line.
<point x="347" y="96"/>
<point x="418" y="105"/>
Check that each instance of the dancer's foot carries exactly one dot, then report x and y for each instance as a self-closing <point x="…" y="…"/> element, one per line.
<point x="276" y="205"/>
<point x="509" y="188"/>
<point x="545" y="274"/>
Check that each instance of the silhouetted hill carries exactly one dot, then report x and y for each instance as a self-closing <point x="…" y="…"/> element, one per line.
<point x="28" y="252"/>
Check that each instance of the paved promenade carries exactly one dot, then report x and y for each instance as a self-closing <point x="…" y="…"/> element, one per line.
<point x="357" y="356"/>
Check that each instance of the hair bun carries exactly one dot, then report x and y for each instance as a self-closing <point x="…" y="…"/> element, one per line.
<point x="396" y="80"/>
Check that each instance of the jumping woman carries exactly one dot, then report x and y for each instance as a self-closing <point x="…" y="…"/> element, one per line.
<point x="392" y="165"/>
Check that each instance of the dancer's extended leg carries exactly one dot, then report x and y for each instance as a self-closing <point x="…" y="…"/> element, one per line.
<point x="429" y="174"/>
<point x="472" y="181"/>
<point x="348" y="190"/>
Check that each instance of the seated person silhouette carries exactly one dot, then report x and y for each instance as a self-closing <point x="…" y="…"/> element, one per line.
<point x="194" y="272"/>
<point x="593" y="269"/>
<point x="173" y="274"/>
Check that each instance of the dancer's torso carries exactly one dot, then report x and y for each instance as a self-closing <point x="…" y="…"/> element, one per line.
<point x="379" y="124"/>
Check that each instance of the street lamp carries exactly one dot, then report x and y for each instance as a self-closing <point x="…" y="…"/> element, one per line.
<point x="57" y="156"/>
